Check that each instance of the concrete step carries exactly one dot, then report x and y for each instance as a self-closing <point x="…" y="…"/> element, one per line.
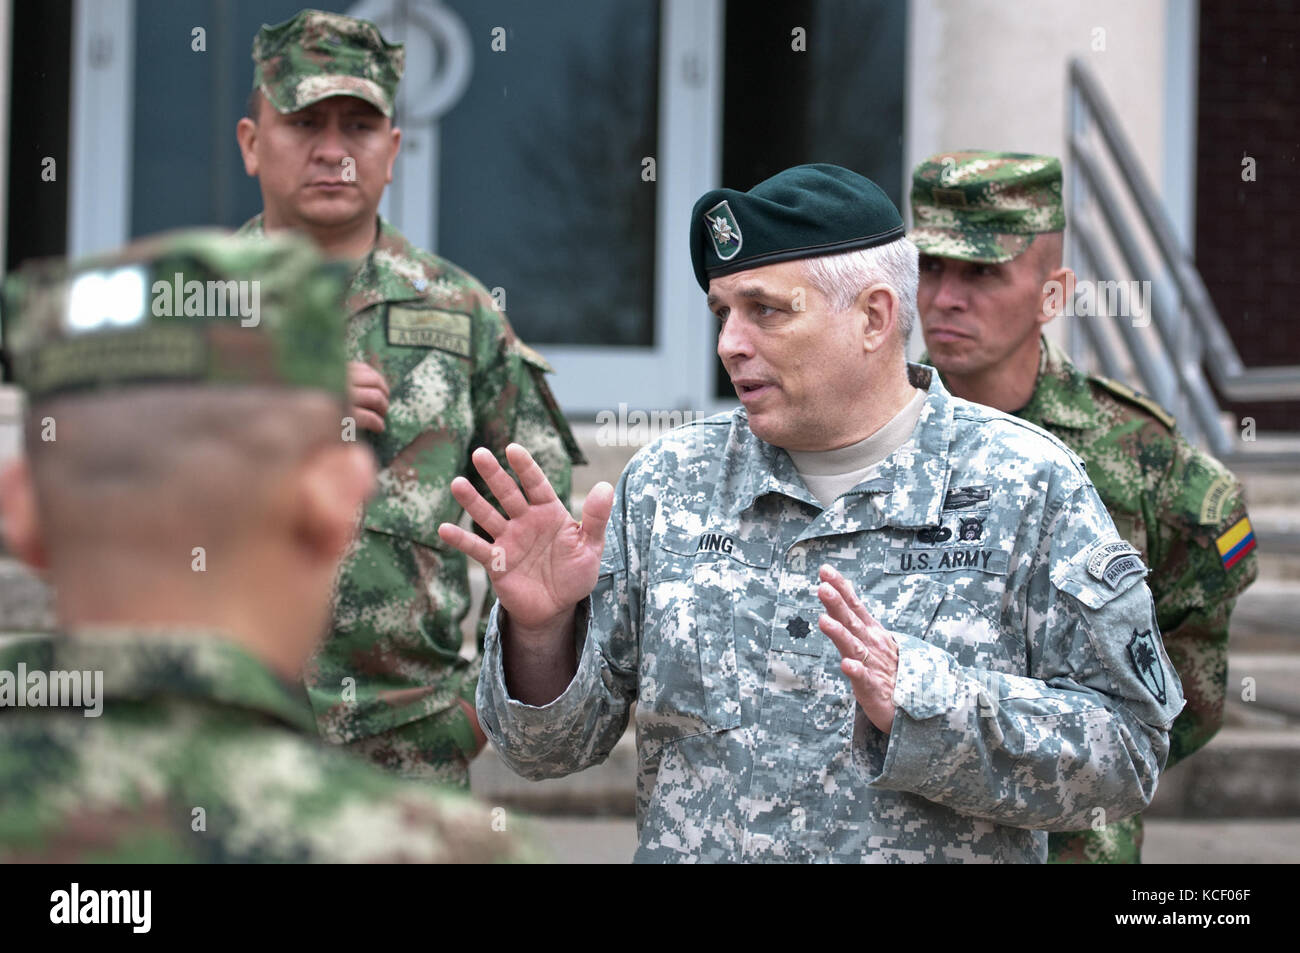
<point x="1268" y="681"/>
<point x="1266" y="617"/>
<point x="1242" y="772"/>
<point x="1277" y="532"/>
<point x="1269" y="486"/>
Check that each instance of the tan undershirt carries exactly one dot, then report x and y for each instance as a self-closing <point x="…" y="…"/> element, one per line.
<point x="828" y="473"/>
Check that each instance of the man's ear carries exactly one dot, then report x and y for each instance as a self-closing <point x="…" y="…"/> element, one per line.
<point x="879" y="307"/>
<point x="246" y="136"/>
<point x="19" y="515"/>
<point x="332" y="485"/>
<point x="396" y="134"/>
<point x="1058" y="289"/>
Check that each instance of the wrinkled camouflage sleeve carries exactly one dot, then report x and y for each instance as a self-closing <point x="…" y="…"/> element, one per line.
<point x="1080" y="731"/>
<point x="1197" y="503"/>
<point x="580" y="727"/>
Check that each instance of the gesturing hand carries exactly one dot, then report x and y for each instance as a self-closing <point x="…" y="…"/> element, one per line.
<point x="870" y="654"/>
<point x="541" y="561"/>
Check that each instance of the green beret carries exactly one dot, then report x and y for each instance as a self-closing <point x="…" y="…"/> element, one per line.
<point x="984" y="206"/>
<point x="198" y="306"/>
<point x="803" y="212"/>
<point x="317" y="55"/>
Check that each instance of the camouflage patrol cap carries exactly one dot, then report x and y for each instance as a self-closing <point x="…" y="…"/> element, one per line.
<point x="984" y="206"/>
<point x="198" y="306"/>
<point x="803" y="212"/>
<point x="317" y="55"/>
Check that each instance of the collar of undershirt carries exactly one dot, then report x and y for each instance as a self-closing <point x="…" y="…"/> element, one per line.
<point x="864" y="453"/>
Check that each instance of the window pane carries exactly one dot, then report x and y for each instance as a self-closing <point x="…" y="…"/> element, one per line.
<point x="541" y="187"/>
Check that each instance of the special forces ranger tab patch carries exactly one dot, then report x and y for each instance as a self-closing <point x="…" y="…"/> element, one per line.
<point x="1112" y="562"/>
<point x="724" y="231"/>
<point x="1146" y="662"/>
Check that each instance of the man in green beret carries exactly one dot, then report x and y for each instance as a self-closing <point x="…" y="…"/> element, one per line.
<point x="860" y="619"/>
<point x="187" y="492"/>
<point x="990" y="229"/>
<point x="437" y="370"/>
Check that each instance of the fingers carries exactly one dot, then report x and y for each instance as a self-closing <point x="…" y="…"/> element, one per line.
<point x="475" y="547"/>
<point x="838" y="610"/>
<point x="850" y="646"/>
<point x="500" y="483"/>
<point x="595" y="513"/>
<point x="531" y="477"/>
<point x="361" y="374"/>
<point x="368" y="396"/>
<point x="844" y="589"/>
<point x="480" y="510"/>
<point x="368" y="420"/>
<point x="859" y="681"/>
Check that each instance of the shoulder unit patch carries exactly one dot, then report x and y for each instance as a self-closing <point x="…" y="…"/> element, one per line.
<point x="1236" y="542"/>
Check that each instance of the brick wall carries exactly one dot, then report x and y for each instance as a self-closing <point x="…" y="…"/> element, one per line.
<point x="1248" y="233"/>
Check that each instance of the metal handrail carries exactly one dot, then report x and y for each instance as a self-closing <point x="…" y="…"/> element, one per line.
<point x="1233" y="379"/>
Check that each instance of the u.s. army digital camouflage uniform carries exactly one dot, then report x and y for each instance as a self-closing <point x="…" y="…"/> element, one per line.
<point x="1032" y="688"/>
<point x="201" y="754"/>
<point x="388" y="678"/>
<point x="1180" y="507"/>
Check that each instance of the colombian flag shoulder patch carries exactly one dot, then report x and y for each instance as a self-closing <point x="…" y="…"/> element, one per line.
<point x="1236" y="542"/>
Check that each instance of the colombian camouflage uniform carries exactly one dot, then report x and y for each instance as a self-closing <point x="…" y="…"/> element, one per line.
<point x="1179" y="506"/>
<point x="390" y="673"/>
<point x="389" y="679"/>
<point x="1032" y="688"/>
<point x="202" y="755"/>
<point x="196" y="750"/>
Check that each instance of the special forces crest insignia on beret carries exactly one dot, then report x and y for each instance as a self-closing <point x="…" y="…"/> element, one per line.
<point x="724" y="230"/>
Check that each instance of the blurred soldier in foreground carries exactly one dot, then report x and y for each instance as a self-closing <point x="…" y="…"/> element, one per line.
<point x="434" y="355"/>
<point x="990" y="228"/>
<point x="1014" y="682"/>
<point x="188" y="494"/>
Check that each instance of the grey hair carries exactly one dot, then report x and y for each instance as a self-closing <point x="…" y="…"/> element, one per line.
<point x="841" y="278"/>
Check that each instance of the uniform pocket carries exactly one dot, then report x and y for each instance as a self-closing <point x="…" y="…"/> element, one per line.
<point x="688" y="675"/>
<point x="941" y="615"/>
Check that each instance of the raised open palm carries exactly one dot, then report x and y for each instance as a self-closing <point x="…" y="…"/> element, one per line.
<point x="542" y="562"/>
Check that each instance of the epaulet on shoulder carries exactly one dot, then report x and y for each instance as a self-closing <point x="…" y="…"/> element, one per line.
<point x="532" y="357"/>
<point x="1129" y="395"/>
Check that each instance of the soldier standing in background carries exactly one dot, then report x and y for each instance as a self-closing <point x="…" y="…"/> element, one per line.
<point x="990" y="229"/>
<point x="187" y="492"/>
<point x="437" y="358"/>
